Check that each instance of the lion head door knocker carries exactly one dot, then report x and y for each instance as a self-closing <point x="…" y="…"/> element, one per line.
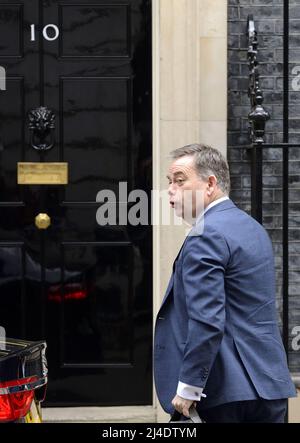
<point x="41" y="126"/>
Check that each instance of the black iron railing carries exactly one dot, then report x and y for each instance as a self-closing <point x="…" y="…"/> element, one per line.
<point x="257" y="119"/>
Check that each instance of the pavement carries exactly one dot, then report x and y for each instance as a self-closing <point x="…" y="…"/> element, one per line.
<point x="123" y="414"/>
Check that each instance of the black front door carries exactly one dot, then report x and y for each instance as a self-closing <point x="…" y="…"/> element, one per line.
<point x="85" y="288"/>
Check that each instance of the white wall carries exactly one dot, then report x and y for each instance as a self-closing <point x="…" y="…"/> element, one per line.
<point x="190" y="101"/>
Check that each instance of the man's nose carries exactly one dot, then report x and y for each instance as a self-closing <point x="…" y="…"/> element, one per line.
<point x="171" y="190"/>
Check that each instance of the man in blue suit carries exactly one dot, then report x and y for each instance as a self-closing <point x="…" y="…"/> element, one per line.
<point x="216" y="336"/>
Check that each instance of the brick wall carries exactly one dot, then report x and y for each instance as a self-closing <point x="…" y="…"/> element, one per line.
<point x="268" y="16"/>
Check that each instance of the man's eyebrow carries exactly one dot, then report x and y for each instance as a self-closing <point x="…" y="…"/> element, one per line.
<point x="175" y="174"/>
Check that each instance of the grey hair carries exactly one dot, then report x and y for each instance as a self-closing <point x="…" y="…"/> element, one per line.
<point x="208" y="161"/>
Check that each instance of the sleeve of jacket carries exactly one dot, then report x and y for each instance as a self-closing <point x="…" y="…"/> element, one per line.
<point x="203" y="271"/>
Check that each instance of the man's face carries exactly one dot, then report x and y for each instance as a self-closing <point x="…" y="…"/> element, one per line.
<point x="187" y="191"/>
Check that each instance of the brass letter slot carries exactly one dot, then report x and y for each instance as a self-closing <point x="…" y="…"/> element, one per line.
<point x="42" y="173"/>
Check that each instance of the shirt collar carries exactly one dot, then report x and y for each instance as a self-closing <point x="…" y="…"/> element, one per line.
<point x="216" y="202"/>
<point x="211" y="205"/>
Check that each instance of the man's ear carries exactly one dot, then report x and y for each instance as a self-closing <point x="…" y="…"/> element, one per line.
<point x="212" y="184"/>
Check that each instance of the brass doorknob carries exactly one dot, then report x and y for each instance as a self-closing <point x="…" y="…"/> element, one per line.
<point x="42" y="221"/>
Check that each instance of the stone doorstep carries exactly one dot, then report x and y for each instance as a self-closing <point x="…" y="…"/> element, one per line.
<point x="128" y="414"/>
<point x="123" y="414"/>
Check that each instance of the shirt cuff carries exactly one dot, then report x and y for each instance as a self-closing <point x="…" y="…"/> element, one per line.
<point x="189" y="392"/>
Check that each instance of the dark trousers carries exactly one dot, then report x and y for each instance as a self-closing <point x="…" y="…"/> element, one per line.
<point x="251" y="411"/>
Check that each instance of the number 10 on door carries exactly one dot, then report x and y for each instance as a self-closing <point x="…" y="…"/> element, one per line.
<point x="45" y="32"/>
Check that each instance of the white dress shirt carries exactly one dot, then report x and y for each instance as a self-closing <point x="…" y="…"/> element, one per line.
<point x="185" y="391"/>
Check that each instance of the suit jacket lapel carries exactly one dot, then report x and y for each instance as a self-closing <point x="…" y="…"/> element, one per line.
<point x="170" y="285"/>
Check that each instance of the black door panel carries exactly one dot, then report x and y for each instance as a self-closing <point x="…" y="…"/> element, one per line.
<point x="84" y="288"/>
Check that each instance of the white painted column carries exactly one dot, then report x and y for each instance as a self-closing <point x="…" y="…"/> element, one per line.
<point x="189" y="102"/>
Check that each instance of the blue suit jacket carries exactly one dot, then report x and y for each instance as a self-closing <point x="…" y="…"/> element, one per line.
<point x="217" y="326"/>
